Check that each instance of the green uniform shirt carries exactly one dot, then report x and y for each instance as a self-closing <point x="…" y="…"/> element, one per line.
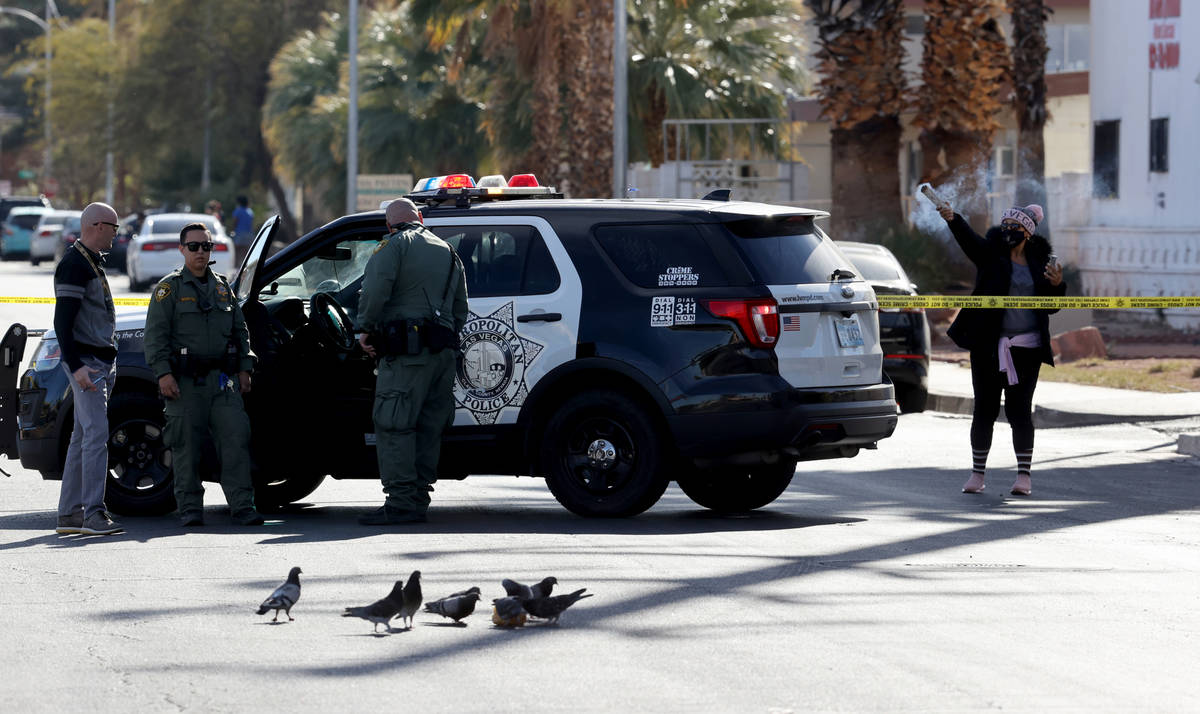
<point x="406" y="279"/>
<point x="201" y="316"/>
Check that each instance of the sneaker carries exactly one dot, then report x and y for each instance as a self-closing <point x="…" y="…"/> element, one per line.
<point x="70" y="524"/>
<point x="100" y="524"/>
<point x="973" y="484"/>
<point x="388" y="516"/>
<point x="1023" y="486"/>
<point x="191" y="518"/>
<point x="248" y="517"/>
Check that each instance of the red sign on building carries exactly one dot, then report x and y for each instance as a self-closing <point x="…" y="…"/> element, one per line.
<point x="1164" y="34"/>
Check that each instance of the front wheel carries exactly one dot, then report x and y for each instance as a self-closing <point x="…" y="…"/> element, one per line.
<point x="603" y="456"/>
<point x="140" y="479"/>
<point x="734" y="489"/>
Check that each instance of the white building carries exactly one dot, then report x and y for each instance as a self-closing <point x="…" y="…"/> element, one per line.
<point x="1140" y="233"/>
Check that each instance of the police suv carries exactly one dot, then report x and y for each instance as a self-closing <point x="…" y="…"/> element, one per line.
<point x="612" y="346"/>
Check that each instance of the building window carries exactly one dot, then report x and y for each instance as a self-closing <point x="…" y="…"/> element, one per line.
<point x="1068" y="45"/>
<point x="1105" y="159"/>
<point x="1005" y="162"/>
<point x="914" y="25"/>
<point x="1158" y="144"/>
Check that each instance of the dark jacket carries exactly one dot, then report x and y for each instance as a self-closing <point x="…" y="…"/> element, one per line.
<point x="976" y="329"/>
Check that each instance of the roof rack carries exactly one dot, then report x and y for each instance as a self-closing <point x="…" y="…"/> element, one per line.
<point x="464" y="197"/>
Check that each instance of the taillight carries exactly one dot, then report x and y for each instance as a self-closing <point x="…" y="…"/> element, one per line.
<point x="151" y="247"/>
<point x="219" y="247"/>
<point x="45" y="233"/>
<point x="758" y="318"/>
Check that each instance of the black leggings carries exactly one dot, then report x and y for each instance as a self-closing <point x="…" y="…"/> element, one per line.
<point x="989" y="382"/>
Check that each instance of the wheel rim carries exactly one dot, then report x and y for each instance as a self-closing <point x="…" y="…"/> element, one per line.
<point x="600" y="455"/>
<point x="138" y="460"/>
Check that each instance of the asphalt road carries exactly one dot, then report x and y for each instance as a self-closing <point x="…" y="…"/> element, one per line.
<point x="871" y="585"/>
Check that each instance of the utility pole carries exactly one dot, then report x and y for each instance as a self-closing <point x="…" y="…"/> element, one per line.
<point x="352" y="120"/>
<point x="47" y="160"/>
<point x="205" y="176"/>
<point x="620" y="99"/>
<point x="108" y="158"/>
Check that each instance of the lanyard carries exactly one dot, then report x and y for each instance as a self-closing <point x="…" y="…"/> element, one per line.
<point x="108" y="299"/>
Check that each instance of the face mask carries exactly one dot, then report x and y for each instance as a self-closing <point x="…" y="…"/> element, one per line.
<point x="1012" y="235"/>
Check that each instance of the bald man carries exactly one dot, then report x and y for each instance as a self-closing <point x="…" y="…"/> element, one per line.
<point x="412" y="307"/>
<point x="85" y="325"/>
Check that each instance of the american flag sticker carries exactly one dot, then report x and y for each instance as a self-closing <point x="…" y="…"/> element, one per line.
<point x="791" y="322"/>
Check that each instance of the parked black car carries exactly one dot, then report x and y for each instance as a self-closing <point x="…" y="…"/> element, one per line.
<point x="903" y="332"/>
<point x="611" y="347"/>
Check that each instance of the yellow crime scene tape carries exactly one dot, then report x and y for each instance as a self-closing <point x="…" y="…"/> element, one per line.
<point x="892" y="301"/>
<point x="1060" y="303"/>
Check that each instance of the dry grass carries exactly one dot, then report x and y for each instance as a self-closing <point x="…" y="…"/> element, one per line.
<point x="1147" y="375"/>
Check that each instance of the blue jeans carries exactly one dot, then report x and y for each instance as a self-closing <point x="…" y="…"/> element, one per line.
<point x="85" y="471"/>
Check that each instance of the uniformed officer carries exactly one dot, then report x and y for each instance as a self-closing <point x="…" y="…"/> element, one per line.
<point x="412" y="307"/>
<point x="197" y="344"/>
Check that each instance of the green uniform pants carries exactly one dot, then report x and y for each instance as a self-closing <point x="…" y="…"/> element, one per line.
<point x="414" y="403"/>
<point x="200" y="410"/>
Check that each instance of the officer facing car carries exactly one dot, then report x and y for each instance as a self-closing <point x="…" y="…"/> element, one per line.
<point x="412" y="307"/>
<point x="197" y="344"/>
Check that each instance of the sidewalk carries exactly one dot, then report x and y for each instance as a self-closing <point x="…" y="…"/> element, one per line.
<point x="1059" y="404"/>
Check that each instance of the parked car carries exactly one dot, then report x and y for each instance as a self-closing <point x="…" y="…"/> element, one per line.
<point x="612" y="346"/>
<point x="154" y="252"/>
<point x="47" y="235"/>
<point x="7" y="203"/>
<point x="16" y="234"/>
<point x="67" y="237"/>
<point x="903" y="332"/>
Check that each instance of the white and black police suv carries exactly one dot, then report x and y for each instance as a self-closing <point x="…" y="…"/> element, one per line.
<point x="612" y="346"/>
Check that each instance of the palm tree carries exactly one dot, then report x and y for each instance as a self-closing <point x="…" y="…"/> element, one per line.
<point x="733" y="58"/>
<point x="1029" y="86"/>
<point x="964" y="73"/>
<point x="862" y="90"/>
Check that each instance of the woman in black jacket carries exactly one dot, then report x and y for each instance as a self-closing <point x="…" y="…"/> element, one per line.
<point x="1007" y="346"/>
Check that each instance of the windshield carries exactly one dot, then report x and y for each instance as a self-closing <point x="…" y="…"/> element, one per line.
<point x="328" y="272"/>
<point x="172" y="226"/>
<point x="788" y="250"/>
<point x="872" y="266"/>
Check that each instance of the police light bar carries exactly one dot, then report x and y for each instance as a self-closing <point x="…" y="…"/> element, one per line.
<point x="457" y="181"/>
<point x="492" y="181"/>
<point x="523" y="181"/>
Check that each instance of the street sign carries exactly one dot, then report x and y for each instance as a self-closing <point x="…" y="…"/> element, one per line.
<point x="376" y="188"/>
<point x="5" y="187"/>
<point x="25" y="174"/>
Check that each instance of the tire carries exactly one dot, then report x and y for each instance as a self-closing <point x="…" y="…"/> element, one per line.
<point x="140" y="479"/>
<point x="912" y="399"/>
<point x="735" y="489"/>
<point x="276" y="494"/>
<point x="35" y="261"/>
<point x="629" y="475"/>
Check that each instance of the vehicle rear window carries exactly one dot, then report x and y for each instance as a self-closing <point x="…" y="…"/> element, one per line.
<point x="787" y="250"/>
<point x="27" y="221"/>
<point x="174" y="225"/>
<point x="874" y="267"/>
<point x="662" y="256"/>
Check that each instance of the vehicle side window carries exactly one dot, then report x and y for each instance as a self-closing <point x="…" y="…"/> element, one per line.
<point x="662" y="256"/>
<point x="333" y="270"/>
<point x="501" y="261"/>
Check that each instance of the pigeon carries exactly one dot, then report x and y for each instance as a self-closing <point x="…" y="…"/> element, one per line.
<point x="542" y="589"/>
<point x="284" y="597"/>
<point x="381" y="611"/>
<point x="411" y="599"/>
<point x="455" y="606"/>
<point x="551" y="608"/>
<point x="508" y="612"/>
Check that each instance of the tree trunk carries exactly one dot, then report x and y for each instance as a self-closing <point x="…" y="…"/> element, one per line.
<point x="1029" y="87"/>
<point x="866" y="180"/>
<point x="652" y="126"/>
<point x="957" y="163"/>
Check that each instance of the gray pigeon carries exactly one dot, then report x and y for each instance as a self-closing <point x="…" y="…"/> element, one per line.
<point x="381" y="611"/>
<point x="455" y="606"/>
<point x="411" y="599"/>
<point x="542" y="589"/>
<point x="284" y="597"/>
<point x="550" y="608"/>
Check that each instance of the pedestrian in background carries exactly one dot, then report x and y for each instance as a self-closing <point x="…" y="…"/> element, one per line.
<point x="243" y="228"/>
<point x="1007" y="346"/>
<point x="412" y="308"/>
<point x="85" y="324"/>
<point x="213" y="208"/>
<point x="197" y="344"/>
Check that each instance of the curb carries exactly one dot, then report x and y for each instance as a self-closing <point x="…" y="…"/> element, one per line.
<point x="1050" y="417"/>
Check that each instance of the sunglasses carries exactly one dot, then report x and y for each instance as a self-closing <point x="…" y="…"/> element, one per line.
<point x="194" y="246"/>
<point x="114" y="226"/>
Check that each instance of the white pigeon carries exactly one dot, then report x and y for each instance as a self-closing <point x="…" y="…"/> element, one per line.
<point x="284" y="597"/>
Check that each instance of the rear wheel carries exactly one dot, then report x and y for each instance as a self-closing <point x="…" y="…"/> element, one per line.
<point x="736" y="489"/>
<point x="912" y="399"/>
<point x="140" y="479"/>
<point x="273" y="493"/>
<point x="603" y="456"/>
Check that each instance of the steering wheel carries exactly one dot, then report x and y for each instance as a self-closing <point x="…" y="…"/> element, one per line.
<point x="331" y="321"/>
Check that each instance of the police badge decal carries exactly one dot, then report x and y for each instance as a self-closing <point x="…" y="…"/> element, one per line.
<point x="491" y="365"/>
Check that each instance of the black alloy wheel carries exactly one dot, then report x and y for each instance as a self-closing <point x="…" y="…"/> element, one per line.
<point x="735" y="489"/>
<point x="140" y="479"/>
